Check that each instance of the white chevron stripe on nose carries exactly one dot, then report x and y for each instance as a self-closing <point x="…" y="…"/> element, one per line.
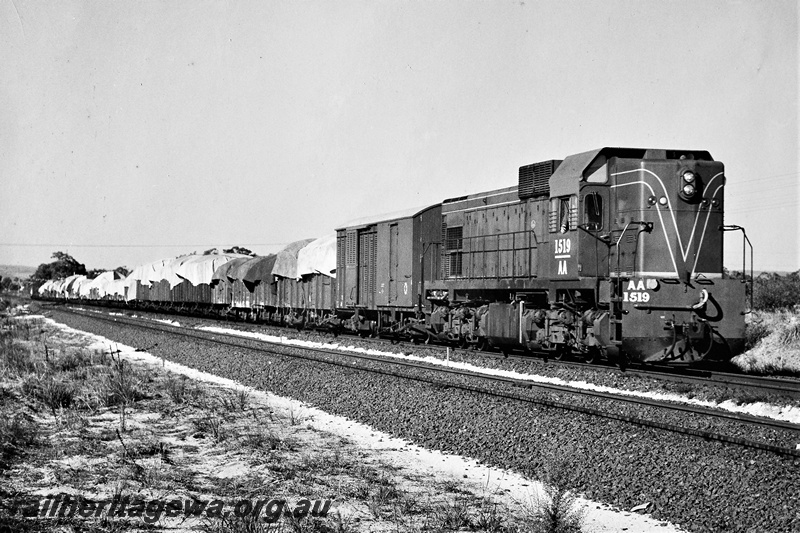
<point x="684" y="250"/>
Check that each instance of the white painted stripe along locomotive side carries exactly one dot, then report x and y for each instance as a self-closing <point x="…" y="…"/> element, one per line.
<point x="709" y="275"/>
<point x="483" y="207"/>
<point x="480" y="197"/>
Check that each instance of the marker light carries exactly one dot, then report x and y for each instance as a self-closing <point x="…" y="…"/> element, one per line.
<point x="651" y="200"/>
<point x="688" y="176"/>
<point x="688" y="190"/>
<point x="662" y="200"/>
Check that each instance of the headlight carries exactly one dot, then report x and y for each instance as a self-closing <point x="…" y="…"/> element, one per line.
<point x="688" y="176"/>
<point x="688" y="189"/>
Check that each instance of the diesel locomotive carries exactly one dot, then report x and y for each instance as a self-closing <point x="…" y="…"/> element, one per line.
<point x="615" y="253"/>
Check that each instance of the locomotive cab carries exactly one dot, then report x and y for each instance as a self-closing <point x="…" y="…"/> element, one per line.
<point x="648" y="228"/>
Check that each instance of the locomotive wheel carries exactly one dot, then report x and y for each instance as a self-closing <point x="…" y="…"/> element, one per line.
<point x="560" y="354"/>
<point x="592" y="355"/>
<point x="483" y="345"/>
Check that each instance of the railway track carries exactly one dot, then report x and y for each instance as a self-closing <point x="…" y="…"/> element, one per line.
<point x="787" y="387"/>
<point x="787" y="434"/>
<point x="781" y="387"/>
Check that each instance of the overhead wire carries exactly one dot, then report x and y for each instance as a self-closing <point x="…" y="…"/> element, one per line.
<point x="762" y="178"/>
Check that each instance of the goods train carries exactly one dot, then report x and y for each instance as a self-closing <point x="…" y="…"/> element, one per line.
<point x="615" y="253"/>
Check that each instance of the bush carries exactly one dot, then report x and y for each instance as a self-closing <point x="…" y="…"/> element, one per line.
<point x="16" y="358"/>
<point x="773" y="291"/>
<point x="15" y="434"/>
<point x="773" y="341"/>
<point x="755" y="330"/>
<point x="179" y="389"/>
<point x="556" y="509"/>
<point x="54" y="393"/>
<point x="71" y="361"/>
<point x="124" y="384"/>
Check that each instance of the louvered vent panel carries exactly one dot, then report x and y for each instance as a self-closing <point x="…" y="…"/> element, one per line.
<point x="373" y="261"/>
<point x="445" y="256"/>
<point x="534" y="180"/>
<point x="351" y="248"/>
<point x="340" y="250"/>
<point x="453" y="244"/>
<point x="552" y="218"/>
<point x="367" y="269"/>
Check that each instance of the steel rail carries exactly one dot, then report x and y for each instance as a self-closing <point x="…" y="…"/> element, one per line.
<point x="211" y="337"/>
<point x="787" y="387"/>
<point x="779" y="386"/>
<point x="784" y="387"/>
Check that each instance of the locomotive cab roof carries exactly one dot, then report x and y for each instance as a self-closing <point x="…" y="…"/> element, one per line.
<point x="576" y="168"/>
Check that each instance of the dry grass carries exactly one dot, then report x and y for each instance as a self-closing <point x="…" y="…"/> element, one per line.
<point x="555" y="510"/>
<point x="774" y="341"/>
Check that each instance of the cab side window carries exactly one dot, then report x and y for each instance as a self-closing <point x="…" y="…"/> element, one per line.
<point x="563" y="214"/>
<point x="593" y="212"/>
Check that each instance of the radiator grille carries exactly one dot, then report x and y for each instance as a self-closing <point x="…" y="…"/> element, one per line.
<point x="534" y="180"/>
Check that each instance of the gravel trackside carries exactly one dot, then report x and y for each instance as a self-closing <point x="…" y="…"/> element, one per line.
<point x="703" y="486"/>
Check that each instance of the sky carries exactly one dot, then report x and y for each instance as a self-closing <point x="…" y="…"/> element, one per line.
<point x="134" y="131"/>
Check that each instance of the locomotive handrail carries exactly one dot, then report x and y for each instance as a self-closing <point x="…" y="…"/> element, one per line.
<point x="746" y="240"/>
<point x="648" y="308"/>
<point x="605" y="239"/>
<point x="476" y="248"/>
<point x="646" y="226"/>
